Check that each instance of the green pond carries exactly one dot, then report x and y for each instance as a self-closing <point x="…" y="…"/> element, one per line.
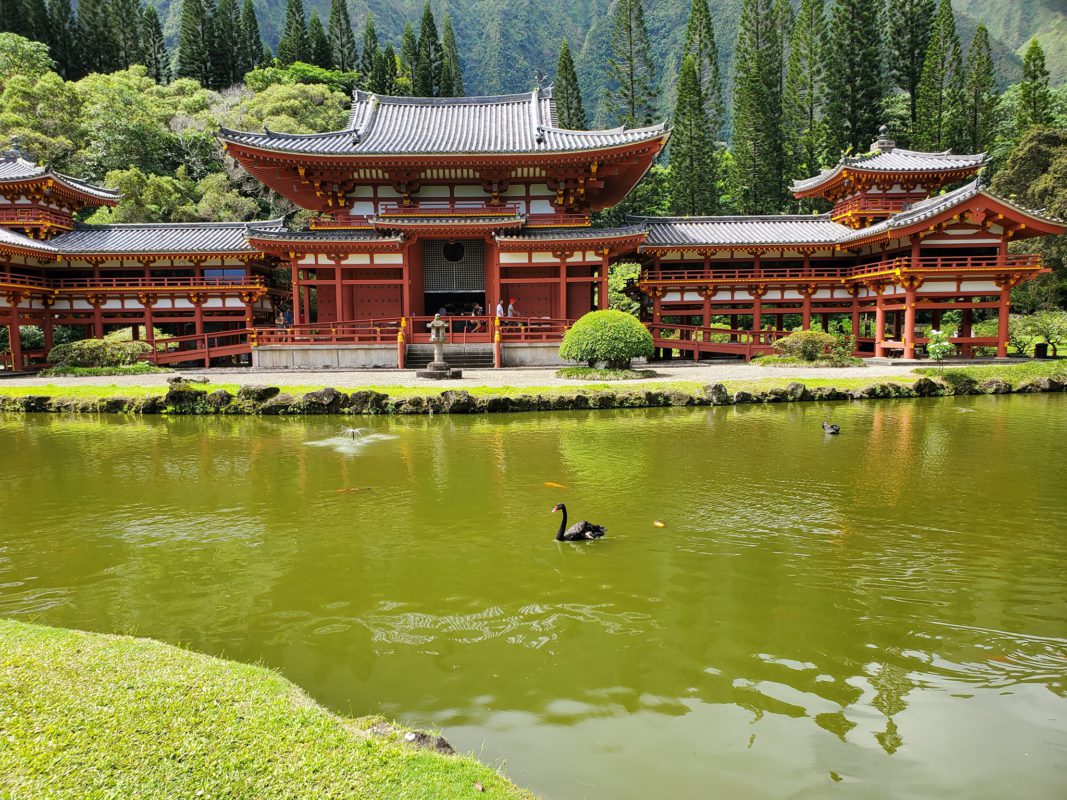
<point x="880" y="614"/>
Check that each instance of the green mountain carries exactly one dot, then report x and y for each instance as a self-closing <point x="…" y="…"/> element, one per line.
<point x="503" y="43"/>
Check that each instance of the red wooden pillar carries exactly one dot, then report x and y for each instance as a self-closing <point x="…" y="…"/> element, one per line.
<point x="826" y="323"/>
<point x="806" y="312"/>
<point x="706" y="314"/>
<point x="295" y="275"/>
<point x="602" y="284"/>
<point x="47" y="330"/>
<point x="909" y="323"/>
<point x="14" y="340"/>
<point x="879" y="325"/>
<point x="339" y="292"/>
<point x="855" y="317"/>
<point x="757" y="311"/>
<point x="966" y="329"/>
<point x="562" y="287"/>
<point x="1002" y="322"/>
<point x="149" y="325"/>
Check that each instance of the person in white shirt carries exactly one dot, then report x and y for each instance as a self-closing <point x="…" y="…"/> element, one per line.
<point x="500" y="307"/>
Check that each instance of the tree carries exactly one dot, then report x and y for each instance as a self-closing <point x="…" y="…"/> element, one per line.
<point x="194" y="39"/>
<point x="294" y="44"/>
<point x="409" y="52"/>
<point x="63" y="38"/>
<point x="13" y="18"/>
<point x="910" y="22"/>
<point x="1035" y="102"/>
<point x="608" y="337"/>
<point x="631" y="74"/>
<point x="35" y="20"/>
<point x="693" y="180"/>
<point x="99" y="43"/>
<point x="156" y="57"/>
<point x="805" y="90"/>
<point x="253" y="51"/>
<point x="19" y="56"/>
<point x="126" y="15"/>
<point x="758" y="145"/>
<point x="854" y="84"/>
<point x="370" y="57"/>
<point x="451" y="69"/>
<point x="1050" y="325"/>
<point x="386" y="75"/>
<point x="227" y="46"/>
<point x="700" y="43"/>
<point x="940" y="108"/>
<point x="981" y="100"/>
<point x="426" y="79"/>
<point x="567" y="93"/>
<point x="342" y="37"/>
<point x="319" y="52"/>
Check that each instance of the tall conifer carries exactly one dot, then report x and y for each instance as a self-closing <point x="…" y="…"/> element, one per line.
<point x="758" y="142"/>
<point x="855" y="86"/>
<point x="35" y="20"/>
<point x="700" y="43"/>
<point x="319" y="52"/>
<point x="63" y="39"/>
<point x="96" y="30"/>
<point x="386" y="74"/>
<point x="805" y="91"/>
<point x="567" y="93"/>
<point x="427" y="77"/>
<point x="692" y="177"/>
<point x="252" y="47"/>
<point x="631" y="73"/>
<point x="227" y="45"/>
<point x="451" y="69"/>
<point x="13" y="17"/>
<point x="194" y="41"/>
<point x="370" y="55"/>
<point x="1035" y="99"/>
<point x="910" y="23"/>
<point x="409" y="52"/>
<point x="342" y="37"/>
<point x="982" y="100"/>
<point x="154" y="47"/>
<point x="126" y="18"/>
<point x="939" y="125"/>
<point x="293" y="44"/>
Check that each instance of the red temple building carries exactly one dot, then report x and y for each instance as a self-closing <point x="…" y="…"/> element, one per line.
<point x="461" y="204"/>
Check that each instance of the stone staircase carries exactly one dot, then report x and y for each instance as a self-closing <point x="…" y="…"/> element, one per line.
<point x="462" y="356"/>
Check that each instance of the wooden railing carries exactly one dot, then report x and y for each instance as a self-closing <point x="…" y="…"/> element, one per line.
<point x="367" y="331"/>
<point x="201" y="347"/>
<point x="449" y="208"/>
<point x="696" y="339"/>
<point x="878" y="204"/>
<point x="35" y="217"/>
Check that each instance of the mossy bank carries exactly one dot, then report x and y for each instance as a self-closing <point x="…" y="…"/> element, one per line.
<point x="190" y="397"/>
<point x="93" y="715"/>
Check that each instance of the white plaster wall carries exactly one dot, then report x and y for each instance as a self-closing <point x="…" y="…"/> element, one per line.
<point x="310" y="356"/>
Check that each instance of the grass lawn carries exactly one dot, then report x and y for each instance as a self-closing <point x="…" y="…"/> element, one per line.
<point x="92" y="715"/>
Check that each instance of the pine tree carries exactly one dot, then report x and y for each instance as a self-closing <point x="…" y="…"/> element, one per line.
<point x="63" y="39"/>
<point x="700" y="43"/>
<point x="370" y="57"/>
<point x="99" y="44"/>
<point x="385" y="75"/>
<point x="318" y="43"/>
<point x="805" y="90"/>
<point x="631" y="73"/>
<point x="35" y="20"/>
<point x="758" y="141"/>
<point x="342" y="37"/>
<point x="982" y="100"/>
<point x="409" y="53"/>
<point x="1035" y="99"/>
<point x="854" y="75"/>
<point x="910" y="23"/>
<point x="939" y="125"/>
<point x="154" y="47"/>
<point x="194" y="41"/>
<point x="568" y="93"/>
<point x="427" y="76"/>
<point x="294" y="44"/>
<point x="451" y="69"/>
<point x="227" y="45"/>
<point x="252" y="47"/>
<point x="692" y="177"/>
<point x="13" y="17"/>
<point x="126" y="16"/>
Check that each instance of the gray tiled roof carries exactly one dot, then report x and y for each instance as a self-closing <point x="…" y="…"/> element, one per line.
<point x="572" y="234"/>
<point x="896" y="160"/>
<point x="281" y="233"/>
<point x="15" y="168"/>
<point x="413" y="221"/>
<point x="13" y="239"/>
<point x="740" y="231"/>
<point x="192" y="237"/>
<point x="381" y="125"/>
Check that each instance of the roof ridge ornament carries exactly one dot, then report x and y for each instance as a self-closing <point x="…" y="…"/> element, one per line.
<point x="883" y="144"/>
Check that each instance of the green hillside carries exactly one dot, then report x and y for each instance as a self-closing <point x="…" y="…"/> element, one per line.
<point x="1014" y="23"/>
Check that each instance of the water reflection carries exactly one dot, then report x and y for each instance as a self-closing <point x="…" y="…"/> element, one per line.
<point x="813" y="606"/>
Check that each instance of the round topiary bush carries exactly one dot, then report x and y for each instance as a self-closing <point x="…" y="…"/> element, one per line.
<point x="805" y="345"/>
<point x="606" y="339"/>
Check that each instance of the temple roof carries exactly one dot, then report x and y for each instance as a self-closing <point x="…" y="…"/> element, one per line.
<point x="283" y="234"/>
<point x="15" y="169"/>
<point x="17" y="240"/>
<point x="695" y="232"/>
<point x="188" y="237"/>
<point x="503" y="124"/>
<point x="892" y="161"/>
<point x="572" y="234"/>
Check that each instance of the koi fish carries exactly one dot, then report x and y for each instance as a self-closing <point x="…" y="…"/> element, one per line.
<point x="552" y="485"/>
<point x="659" y="523"/>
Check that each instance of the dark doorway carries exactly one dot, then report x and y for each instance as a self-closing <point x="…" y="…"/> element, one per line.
<point x="454" y="276"/>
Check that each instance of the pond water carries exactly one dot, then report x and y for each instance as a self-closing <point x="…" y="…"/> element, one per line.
<point x="877" y="614"/>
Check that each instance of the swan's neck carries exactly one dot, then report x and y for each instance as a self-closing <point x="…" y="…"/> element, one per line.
<point x="562" y="525"/>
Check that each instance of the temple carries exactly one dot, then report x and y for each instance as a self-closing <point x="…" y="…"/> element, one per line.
<point x="469" y="205"/>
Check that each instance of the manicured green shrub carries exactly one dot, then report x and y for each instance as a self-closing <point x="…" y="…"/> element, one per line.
<point x="606" y="338"/>
<point x="97" y="353"/>
<point x="805" y="345"/>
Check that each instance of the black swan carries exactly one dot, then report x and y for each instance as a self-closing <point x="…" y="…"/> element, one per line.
<point x="830" y="427"/>
<point x="579" y="531"/>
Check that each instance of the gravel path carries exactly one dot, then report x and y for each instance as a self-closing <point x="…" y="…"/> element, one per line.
<point x="704" y="373"/>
